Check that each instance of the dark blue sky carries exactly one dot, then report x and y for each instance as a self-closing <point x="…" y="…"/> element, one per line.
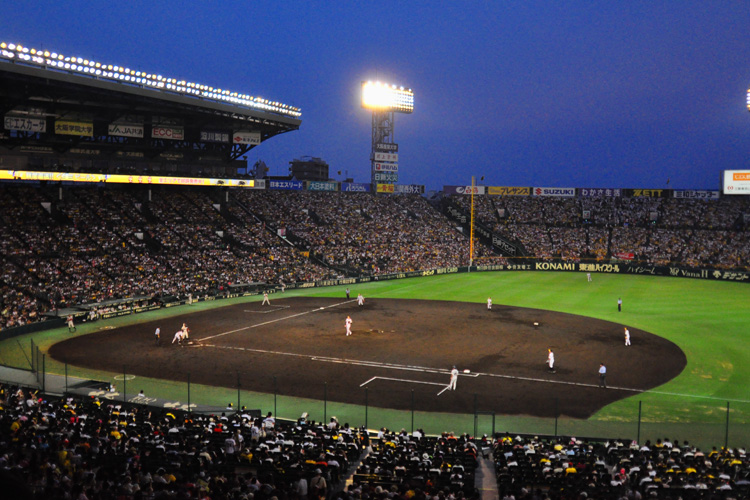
<point x="526" y="93"/>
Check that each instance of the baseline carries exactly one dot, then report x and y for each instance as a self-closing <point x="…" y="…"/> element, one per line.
<point x="267" y="310"/>
<point x="270" y="322"/>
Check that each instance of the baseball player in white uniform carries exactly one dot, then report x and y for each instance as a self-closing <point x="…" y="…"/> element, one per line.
<point x="265" y="299"/>
<point x="454" y="379"/>
<point x="588" y="276"/>
<point x="348" y="324"/>
<point x="360" y="300"/>
<point x="489" y="303"/>
<point x="551" y="360"/>
<point x="627" y="336"/>
<point x="178" y="336"/>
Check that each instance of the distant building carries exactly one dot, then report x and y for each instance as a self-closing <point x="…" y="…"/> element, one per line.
<point x="308" y="168"/>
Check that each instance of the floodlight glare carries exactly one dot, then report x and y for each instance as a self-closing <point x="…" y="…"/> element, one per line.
<point x="120" y="73"/>
<point x="383" y="97"/>
<point x="748" y="99"/>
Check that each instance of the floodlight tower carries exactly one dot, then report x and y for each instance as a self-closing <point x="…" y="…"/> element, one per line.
<point x="385" y="100"/>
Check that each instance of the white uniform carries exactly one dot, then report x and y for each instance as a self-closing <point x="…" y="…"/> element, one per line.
<point x="489" y="302"/>
<point x="454" y="379"/>
<point x="348" y="324"/>
<point x="588" y="276"/>
<point x="265" y="299"/>
<point x="360" y="300"/>
<point x="627" y="336"/>
<point x="178" y="336"/>
<point x="185" y="331"/>
<point x="551" y="360"/>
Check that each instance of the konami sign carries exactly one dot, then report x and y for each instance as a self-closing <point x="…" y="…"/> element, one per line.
<point x="548" y="191"/>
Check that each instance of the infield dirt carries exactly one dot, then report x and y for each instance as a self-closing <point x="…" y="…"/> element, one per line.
<point x="401" y="353"/>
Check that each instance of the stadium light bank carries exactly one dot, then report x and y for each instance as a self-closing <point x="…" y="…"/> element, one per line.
<point x="78" y="65"/>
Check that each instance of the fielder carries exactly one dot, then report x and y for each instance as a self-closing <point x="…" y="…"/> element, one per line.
<point x="551" y="360"/>
<point x="489" y="303"/>
<point x="360" y="300"/>
<point x="157" y="334"/>
<point x="178" y="336"/>
<point x="348" y="324"/>
<point x="265" y="299"/>
<point x="627" y="336"/>
<point x="454" y="379"/>
<point x="185" y="331"/>
<point x="588" y="276"/>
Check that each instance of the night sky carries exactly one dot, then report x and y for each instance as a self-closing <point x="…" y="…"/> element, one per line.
<point x="526" y="93"/>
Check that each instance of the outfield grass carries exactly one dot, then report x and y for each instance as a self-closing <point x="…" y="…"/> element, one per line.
<point x="708" y="320"/>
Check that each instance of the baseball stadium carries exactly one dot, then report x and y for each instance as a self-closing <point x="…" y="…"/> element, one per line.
<point x="156" y="303"/>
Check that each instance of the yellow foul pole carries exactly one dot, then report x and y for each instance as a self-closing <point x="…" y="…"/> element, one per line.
<point x="471" y="227"/>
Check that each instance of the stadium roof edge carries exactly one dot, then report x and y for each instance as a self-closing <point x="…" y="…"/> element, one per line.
<point x="164" y="95"/>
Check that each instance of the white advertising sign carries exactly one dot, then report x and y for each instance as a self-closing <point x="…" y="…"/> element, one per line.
<point x="387" y="157"/>
<point x="246" y="137"/>
<point x="736" y="181"/>
<point x="125" y="130"/>
<point x="25" y="123"/>
<point x="548" y="191"/>
<point x="386" y="167"/>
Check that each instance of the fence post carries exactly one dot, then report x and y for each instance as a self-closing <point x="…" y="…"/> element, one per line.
<point x="367" y="407"/>
<point x="412" y="411"/>
<point x="638" y="436"/>
<point x="726" y="431"/>
<point x="557" y="402"/>
<point x="325" y="402"/>
<point x="274" y="396"/>
<point x="476" y="416"/>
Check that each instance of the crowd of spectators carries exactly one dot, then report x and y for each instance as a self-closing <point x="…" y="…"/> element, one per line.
<point x="65" y="247"/>
<point x="90" y="448"/>
<point x="87" y="448"/>
<point x="364" y="234"/>
<point x="570" y="468"/>
<point x="654" y="231"/>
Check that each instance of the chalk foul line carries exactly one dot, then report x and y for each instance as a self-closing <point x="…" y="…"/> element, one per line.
<point x="269" y="322"/>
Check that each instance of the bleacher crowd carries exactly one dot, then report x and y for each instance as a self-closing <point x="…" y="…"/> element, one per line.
<point x="84" y="448"/>
<point x="67" y="247"/>
<point x="653" y="231"/>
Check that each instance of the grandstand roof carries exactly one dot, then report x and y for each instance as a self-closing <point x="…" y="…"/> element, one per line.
<point x="41" y="92"/>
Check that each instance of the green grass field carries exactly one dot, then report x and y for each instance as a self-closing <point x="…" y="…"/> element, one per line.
<point x="708" y="404"/>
